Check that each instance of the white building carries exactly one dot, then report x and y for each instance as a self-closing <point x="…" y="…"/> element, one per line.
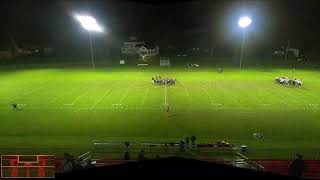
<point x="135" y="47"/>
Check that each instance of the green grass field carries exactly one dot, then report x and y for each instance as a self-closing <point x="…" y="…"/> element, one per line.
<point x="68" y="109"/>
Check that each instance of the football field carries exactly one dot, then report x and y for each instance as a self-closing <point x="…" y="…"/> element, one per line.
<point x="68" y="109"/>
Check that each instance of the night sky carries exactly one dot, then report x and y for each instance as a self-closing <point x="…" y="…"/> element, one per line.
<point x="180" y="24"/>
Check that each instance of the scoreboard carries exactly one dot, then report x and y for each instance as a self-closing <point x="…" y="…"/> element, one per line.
<point x="27" y="166"/>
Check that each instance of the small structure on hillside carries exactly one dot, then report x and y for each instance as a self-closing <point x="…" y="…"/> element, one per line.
<point x="135" y="47"/>
<point x="165" y="62"/>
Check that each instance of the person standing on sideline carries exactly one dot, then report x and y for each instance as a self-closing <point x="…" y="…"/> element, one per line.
<point x="296" y="167"/>
<point x="187" y="142"/>
<point x="141" y="156"/>
<point x="126" y="155"/>
<point x="193" y="141"/>
<point x="14" y="106"/>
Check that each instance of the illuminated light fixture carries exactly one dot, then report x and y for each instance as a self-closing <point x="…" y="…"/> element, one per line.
<point x="243" y="23"/>
<point x="89" y="23"/>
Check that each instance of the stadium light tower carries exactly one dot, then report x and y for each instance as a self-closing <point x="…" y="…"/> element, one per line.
<point x="90" y="24"/>
<point x="243" y="23"/>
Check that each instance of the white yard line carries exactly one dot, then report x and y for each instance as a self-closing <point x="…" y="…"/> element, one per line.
<point x="312" y="96"/>
<point x="235" y="99"/>
<point x="103" y="96"/>
<point x="232" y="97"/>
<point x="58" y="96"/>
<point x="34" y="90"/>
<point x="81" y="96"/>
<point x="187" y="93"/>
<point x="278" y="99"/>
<point x="270" y="91"/>
<point x="282" y="101"/>
<point x="145" y="97"/>
<point x="261" y="100"/>
<point x="53" y="99"/>
<point x="185" y="89"/>
<point x="211" y="100"/>
<point x="30" y="92"/>
<point x="289" y="96"/>
<point x="78" y="98"/>
<point x="124" y="95"/>
<point x="228" y="95"/>
<point x="214" y="85"/>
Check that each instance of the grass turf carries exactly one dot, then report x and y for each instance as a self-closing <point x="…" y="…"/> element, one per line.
<point x="65" y="110"/>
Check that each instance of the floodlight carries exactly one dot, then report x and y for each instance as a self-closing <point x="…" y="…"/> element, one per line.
<point x="244" y="22"/>
<point x="89" y="23"/>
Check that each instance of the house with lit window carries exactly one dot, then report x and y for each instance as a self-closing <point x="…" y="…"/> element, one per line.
<point x="135" y="47"/>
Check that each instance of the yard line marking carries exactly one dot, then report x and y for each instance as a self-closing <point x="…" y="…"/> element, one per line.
<point x="313" y="105"/>
<point x="234" y="98"/>
<point x="58" y="96"/>
<point x="78" y="98"/>
<point x="310" y="95"/>
<point x="266" y="106"/>
<point x="126" y="93"/>
<point x="187" y="93"/>
<point x="267" y="90"/>
<point x="289" y="96"/>
<point x="31" y="91"/>
<point x="218" y="105"/>
<point x="145" y="97"/>
<point x="81" y="96"/>
<point x="185" y="90"/>
<point x="165" y="91"/>
<point x="108" y="91"/>
<point x="97" y="101"/>
<point x="52" y="100"/>
<point x="280" y="99"/>
<point x="212" y="102"/>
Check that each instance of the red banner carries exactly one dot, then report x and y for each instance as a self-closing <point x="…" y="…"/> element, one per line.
<point x="27" y="166"/>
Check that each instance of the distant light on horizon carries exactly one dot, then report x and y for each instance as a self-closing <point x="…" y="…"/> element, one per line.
<point x="89" y="23"/>
<point x="244" y="21"/>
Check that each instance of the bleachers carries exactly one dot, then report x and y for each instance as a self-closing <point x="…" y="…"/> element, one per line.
<point x="275" y="166"/>
<point x="281" y="167"/>
<point x="111" y="153"/>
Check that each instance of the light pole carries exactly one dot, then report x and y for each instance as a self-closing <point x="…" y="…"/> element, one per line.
<point x="90" y="24"/>
<point x="91" y="50"/>
<point x="243" y="23"/>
